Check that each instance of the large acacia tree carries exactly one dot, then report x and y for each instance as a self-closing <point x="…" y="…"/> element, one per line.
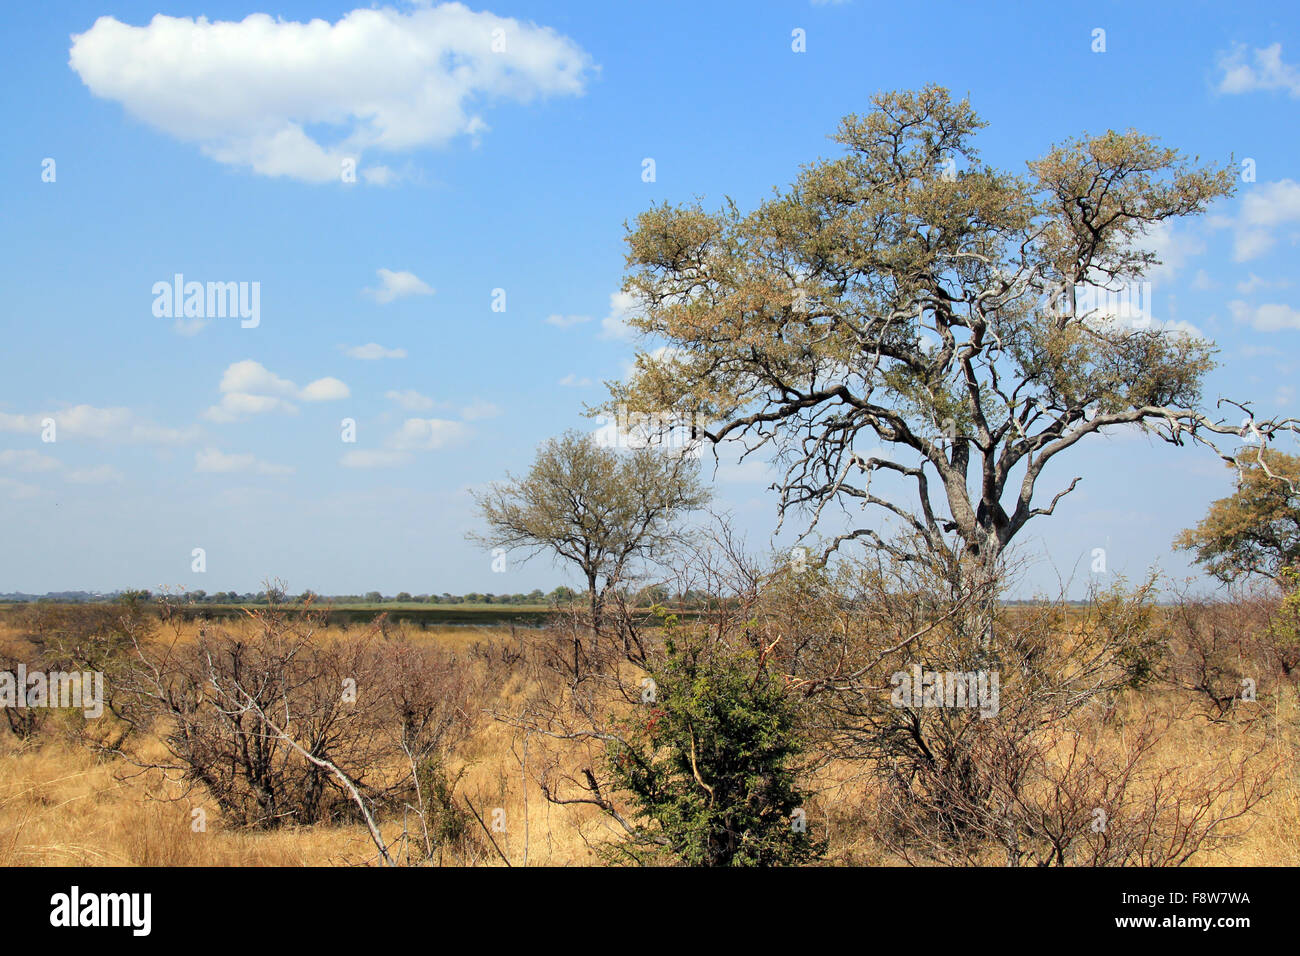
<point x="908" y="297"/>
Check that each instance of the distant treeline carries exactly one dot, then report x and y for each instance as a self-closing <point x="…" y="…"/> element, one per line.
<point x="561" y="596"/>
<point x="465" y="608"/>
<point x="535" y="597"/>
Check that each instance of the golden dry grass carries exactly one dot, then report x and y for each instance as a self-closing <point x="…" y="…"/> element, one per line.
<point x="61" y="805"/>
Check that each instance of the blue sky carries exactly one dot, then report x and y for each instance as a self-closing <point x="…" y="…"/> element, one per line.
<point x="174" y="153"/>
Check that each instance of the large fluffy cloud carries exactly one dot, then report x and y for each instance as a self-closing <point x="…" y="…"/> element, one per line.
<point x="258" y="92"/>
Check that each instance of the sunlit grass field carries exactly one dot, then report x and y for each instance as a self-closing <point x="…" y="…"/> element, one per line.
<point x="61" y="804"/>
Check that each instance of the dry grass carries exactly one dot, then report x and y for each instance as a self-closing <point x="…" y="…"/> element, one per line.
<point x="61" y="805"/>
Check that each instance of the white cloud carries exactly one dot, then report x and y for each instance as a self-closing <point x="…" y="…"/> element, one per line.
<point x="1266" y="71"/>
<point x="1249" y="286"/>
<point x="410" y="399"/>
<point x="1173" y="247"/>
<point x="1263" y="209"/>
<point x="254" y="377"/>
<point x="379" y="175"/>
<point x="1201" y="282"/>
<point x="1126" y="309"/>
<point x="326" y="389"/>
<point x="189" y="327"/>
<point x="415" y="434"/>
<point x="1251" y="244"/>
<point x="572" y="381"/>
<point x="372" y="351"/>
<point x="752" y="470"/>
<point x="18" y="490"/>
<point x="372" y="458"/>
<point x="103" y="424"/>
<point x="1272" y="204"/>
<point x="212" y="460"/>
<point x="614" y="325"/>
<point x="96" y="475"/>
<point x="567" y="321"/>
<point x="1178" y="325"/>
<point x="1255" y="283"/>
<point x="1266" y="318"/>
<point x="236" y="405"/>
<point x="1260" y="351"/>
<point x="247" y="92"/>
<point x="29" y="461"/>
<point x="398" y="285"/>
<point x="479" y="409"/>
<point x="249" y="388"/>
<point x="427" y="434"/>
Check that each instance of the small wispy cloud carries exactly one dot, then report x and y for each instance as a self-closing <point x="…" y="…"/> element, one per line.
<point x="1265" y="70"/>
<point x="28" y="461"/>
<point x="372" y="351"/>
<point x="414" y="435"/>
<point x="397" y="285"/>
<point x="102" y="424"/>
<point x="95" y="475"/>
<point x="428" y="434"/>
<point x="567" y="321"/>
<point x="215" y="461"/>
<point x="614" y="325"/>
<point x="479" y="409"/>
<point x="1272" y="317"/>
<point x="373" y="458"/>
<point x="189" y="327"/>
<point x="410" y="399"/>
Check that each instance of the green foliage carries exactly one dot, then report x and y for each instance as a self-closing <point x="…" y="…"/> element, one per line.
<point x="710" y="763"/>
<point x="603" y="510"/>
<point x="905" y="306"/>
<point x="448" y="823"/>
<point x="1255" y="530"/>
<point x="1284" y="626"/>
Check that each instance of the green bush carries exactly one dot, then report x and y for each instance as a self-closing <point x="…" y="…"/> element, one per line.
<point x="710" y="760"/>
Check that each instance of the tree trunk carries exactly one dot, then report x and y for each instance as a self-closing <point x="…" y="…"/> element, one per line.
<point x="978" y="574"/>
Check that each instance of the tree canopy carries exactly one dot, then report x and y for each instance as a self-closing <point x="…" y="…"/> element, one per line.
<point x="909" y="308"/>
<point x="597" y="507"/>
<point x="1255" y="530"/>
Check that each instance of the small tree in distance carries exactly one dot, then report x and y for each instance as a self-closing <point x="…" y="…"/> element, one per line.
<point x="602" y="510"/>
<point x="1255" y="530"/>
